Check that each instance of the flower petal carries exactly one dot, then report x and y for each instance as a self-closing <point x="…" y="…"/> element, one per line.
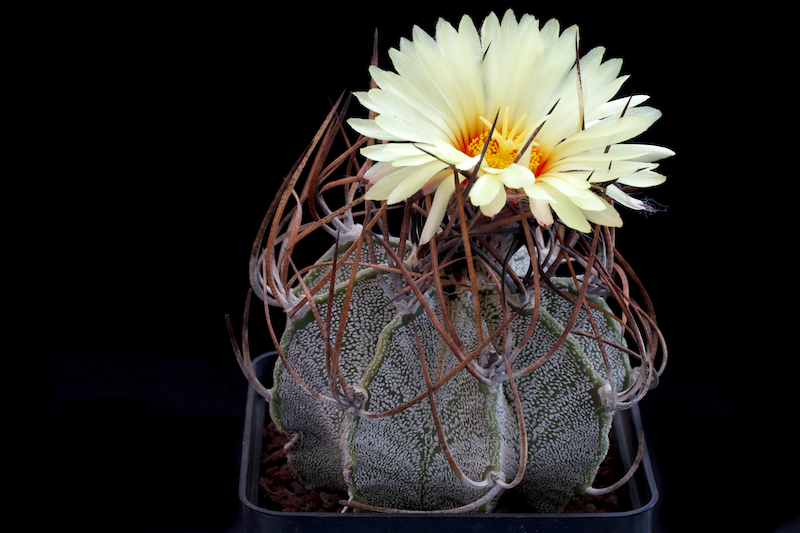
<point x="415" y="96"/>
<point x="498" y="202"/>
<point x="618" y="169"/>
<point x="646" y="153"/>
<point x="414" y="181"/>
<point x="541" y="210"/>
<point x="438" y="209"/>
<point x="613" y="192"/>
<point x="567" y="211"/>
<point x="390" y="151"/>
<point x="537" y="193"/>
<point x="388" y="181"/>
<point x="604" y="133"/>
<point x="414" y="160"/>
<point x="406" y="130"/>
<point x="485" y="189"/>
<point x="369" y="128"/>
<point x="379" y="171"/>
<point x="516" y="176"/>
<point x="605" y="217"/>
<point x="399" y="108"/>
<point x="644" y="178"/>
<point x="614" y="108"/>
<point x="449" y="153"/>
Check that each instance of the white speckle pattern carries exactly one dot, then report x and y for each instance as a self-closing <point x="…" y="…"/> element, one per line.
<point x="609" y="329"/>
<point x="317" y="457"/>
<point x="398" y="462"/>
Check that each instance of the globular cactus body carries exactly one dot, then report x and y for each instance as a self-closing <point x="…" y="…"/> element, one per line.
<point x="398" y="461"/>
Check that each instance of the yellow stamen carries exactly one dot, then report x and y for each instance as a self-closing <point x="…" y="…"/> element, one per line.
<point x="535" y="159"/>
<point x="504" y="145"/>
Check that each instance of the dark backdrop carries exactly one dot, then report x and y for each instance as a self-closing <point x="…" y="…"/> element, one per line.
<point x="146" y="142"/>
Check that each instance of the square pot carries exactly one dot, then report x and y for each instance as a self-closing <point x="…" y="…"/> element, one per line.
<point x="626" y="427"/>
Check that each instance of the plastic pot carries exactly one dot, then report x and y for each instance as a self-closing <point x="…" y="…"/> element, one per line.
<point x="627" y="426"/>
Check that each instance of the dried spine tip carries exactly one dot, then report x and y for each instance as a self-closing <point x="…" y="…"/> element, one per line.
<point x="608" y="398"/>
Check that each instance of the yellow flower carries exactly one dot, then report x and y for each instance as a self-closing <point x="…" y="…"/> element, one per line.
<point x="557" y="130"/>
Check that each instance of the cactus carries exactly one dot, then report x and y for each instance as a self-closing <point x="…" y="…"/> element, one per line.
<point x="398" y="462"/>
<point x="446" y="350"/>
<point x="404" y="395"/>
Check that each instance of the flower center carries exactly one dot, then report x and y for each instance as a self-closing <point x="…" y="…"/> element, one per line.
<point x="504" y="145"/>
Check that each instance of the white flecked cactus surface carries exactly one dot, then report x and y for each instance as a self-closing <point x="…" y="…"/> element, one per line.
<point x="398" y="462"/>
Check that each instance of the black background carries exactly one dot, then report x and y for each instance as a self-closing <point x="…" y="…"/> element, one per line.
<point x="145" y="142"/>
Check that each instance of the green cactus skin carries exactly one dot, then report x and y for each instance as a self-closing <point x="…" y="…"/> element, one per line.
<point x="397" y="462"/>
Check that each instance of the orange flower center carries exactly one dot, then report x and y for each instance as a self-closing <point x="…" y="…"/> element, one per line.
<point x="504" y="145"/>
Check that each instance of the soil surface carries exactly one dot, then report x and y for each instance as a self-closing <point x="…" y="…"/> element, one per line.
<point x="281" y="490"/>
